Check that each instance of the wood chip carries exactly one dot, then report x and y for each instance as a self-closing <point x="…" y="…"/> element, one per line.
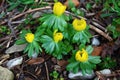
<point x="97" y="51"/>
<point x="76" y="3"/>
<point x="35" y="61"/>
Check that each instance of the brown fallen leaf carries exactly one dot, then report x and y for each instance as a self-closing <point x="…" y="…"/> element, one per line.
<point x="97" y="51"/>
<point x="38" y="60"/>
<point x="76" y="3"/>
<point x="62" y="63"/>
<point x="118" y="28"/>
<point x="27" y="78"/>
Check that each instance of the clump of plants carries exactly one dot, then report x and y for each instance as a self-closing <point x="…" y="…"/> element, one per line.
<point x="55" y="75"/>
<point x="112" y="8"/>
<point x="107" y="62"/>
<point x="59" y="35"/>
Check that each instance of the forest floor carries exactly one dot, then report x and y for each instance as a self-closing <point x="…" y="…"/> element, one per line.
<point x="12" y="21"/>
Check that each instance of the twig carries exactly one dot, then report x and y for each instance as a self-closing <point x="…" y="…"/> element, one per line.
<point x="11" y="28"/>
<point x="67" y="12"/>
<point x="47" y="71"/>
<point x="29" y="11"/>
<point x="31" y="74"/>
<point x="99" y="26"/>
<point x="4" y="38"/>
<point x="101" y="32"/>
<point x="17" y="22"/>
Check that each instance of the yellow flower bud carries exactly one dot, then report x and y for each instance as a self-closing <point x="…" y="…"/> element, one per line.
<point x="29" y="37"/>
<point x="59" y="9"/>
<point x="58" y="36"/>
<point x="81" y="56"/>
<point x="79" y="25"/>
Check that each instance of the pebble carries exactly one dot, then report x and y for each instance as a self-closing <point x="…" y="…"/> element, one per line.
<point x="105" y="71"/>
<point x="80" y="76"/>
<point x="34" y="55"/>
<point x="6" y="74"/>
<point x="36" y="15"/>
<point x="14" y="62"/>
<point x="95" y="42"/>
<point x="15" y="48"/>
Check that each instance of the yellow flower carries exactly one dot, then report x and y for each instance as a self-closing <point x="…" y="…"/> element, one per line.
<point x="59" y="8"/>
<point x="58" y="36"/>
<point x="81" y="56"/>
<point x="29" y="37"/>
<point x="79" y="25"/>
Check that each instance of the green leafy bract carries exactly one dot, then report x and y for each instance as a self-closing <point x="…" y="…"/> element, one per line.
<point x="52" y="21"/>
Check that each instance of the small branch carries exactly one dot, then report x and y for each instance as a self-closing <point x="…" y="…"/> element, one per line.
<point x="29" y="11"/>
<point x="101" y="32"/>
<point x="11" y="28"/>
<point x="31" y="74"/>
<point x="67" y="12"/>
<point x="99" y="26"/>
<point x="47" y="71"/>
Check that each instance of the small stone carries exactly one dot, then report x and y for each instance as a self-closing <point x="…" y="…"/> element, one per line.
<point x="95" y="42"/>
<point x="36" y="15"/>
<point x="79" y="75"/>
<point x="14" y="62"/>
<point x="15" y="48"/>
<point x="105" y="71"/>
<point x="6" y="74"/>
<point x="35" y="55"/>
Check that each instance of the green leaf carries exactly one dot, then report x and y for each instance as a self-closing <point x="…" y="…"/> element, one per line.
<point x="88" y="6"/>
<point x="76" y="37"/>
<point x="83" y="68"/>
<point x="94" y="59"/>
<point x="75" y="69"/>
<point x="13" y="5"/>
<point x="48" y="43"/>
<point x="30" y="50"/>
<point x="20" y="41"/>
<point x="72" y="65"/>
<point x="37" y="47"/>
<point x="27" y="1"/>
<point x="86" y="37"/>
<point x="89" y="49"/>
<point x="81" y="46"/>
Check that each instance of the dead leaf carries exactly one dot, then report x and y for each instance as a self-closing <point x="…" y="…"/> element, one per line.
<point x="38" y="72"/>
<point x="62" y="62"/>
<point x="27" y="78"/>
<point x="76" y="3"/>
<point x="118" y="28"/>
<point x="36" y="61"/>
<point x="54" y="60"/>
<point x="97" y="51"/>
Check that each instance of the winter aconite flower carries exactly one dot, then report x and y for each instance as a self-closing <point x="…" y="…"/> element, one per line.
<point x="58" y="36"/>
<point x="79" y="25"/>
<point x="81" y="56"/>
<point x="29" y="37"/>
<point x="59" y="8"/>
